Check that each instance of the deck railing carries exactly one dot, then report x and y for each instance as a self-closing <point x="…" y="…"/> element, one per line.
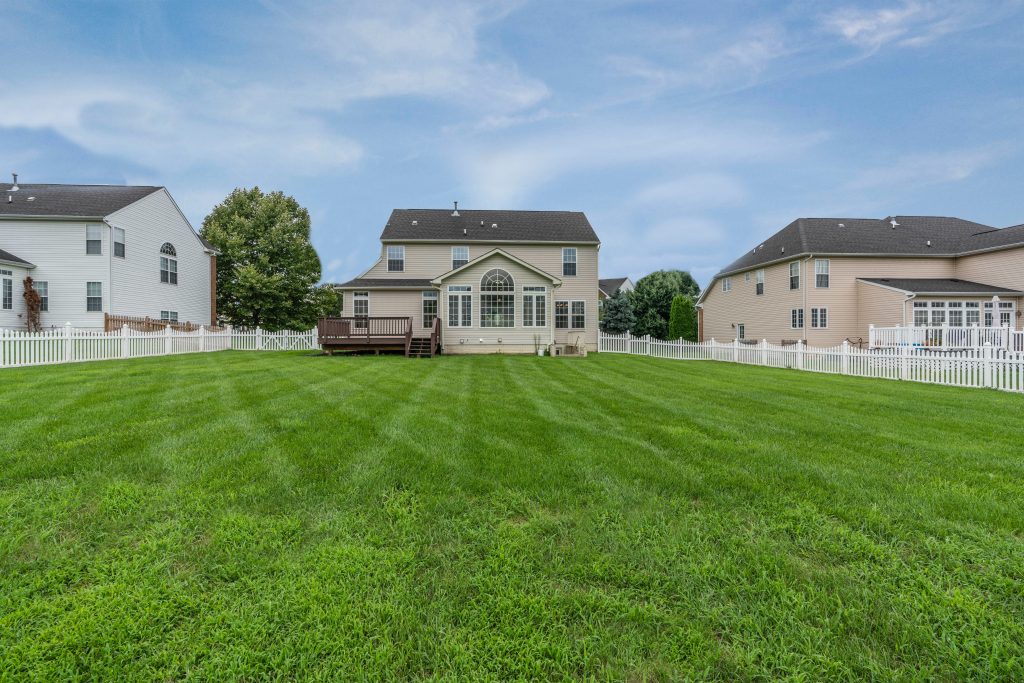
<point x="365" y="329"/>
<point x="945" y="337"/>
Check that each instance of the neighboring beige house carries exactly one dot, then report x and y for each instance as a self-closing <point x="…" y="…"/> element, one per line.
<point x="824" y="280"/>
<point x="499" y="281"/>
<point x="608" y="287"/>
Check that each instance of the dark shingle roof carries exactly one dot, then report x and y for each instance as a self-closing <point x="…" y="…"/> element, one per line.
<point x="611" y="285"/>
<point x="993" y="239"/>
<point x="11" y="258"/>
<point x="69" y="200"/>
<point x="911" y="237"/>
<point x="384" y="283"/>
<point x="940" y="286"/>
<point x="512" y="226"/>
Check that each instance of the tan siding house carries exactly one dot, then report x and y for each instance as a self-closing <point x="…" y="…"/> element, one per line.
<point x="826" y="280"/>
<point x="499" y="281"/>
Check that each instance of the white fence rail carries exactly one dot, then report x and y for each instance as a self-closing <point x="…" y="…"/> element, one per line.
<point x="70" y="345"/>
<point x="988" y="366"/>
<point x="946" y="337"/>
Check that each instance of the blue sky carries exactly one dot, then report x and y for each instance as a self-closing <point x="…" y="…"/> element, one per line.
<point x="686" y="131"/>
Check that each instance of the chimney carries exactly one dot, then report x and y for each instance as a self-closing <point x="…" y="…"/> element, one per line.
<point x="455" y="213"/>
<point x="14" y="186"/>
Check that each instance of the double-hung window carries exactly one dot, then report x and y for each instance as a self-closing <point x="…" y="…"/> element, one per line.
<point x="794" y="275"/>
<point x="973" y="313"/>
<point x="460" y="306"/>
<point x="920" y="314"/>
<point x="460" y="257"/>
<point x="8" y="289"/>
<point x="956" y="313"/>
<point x="759" y="284"/>
<point x="534" y="306"/>
<point x="361" y="308"/>
<point x="119" y="242"/>
<point x="429" y="308"/>
<point x="579" y="315"/>
<point x="562" y="315"/>
<point x="396" y="259"/>
<point x="938" y="309"/>
<point x="819" y="317"/>
<point x="168" y="264"/>
<point x="94" y="238"/>
<point x="169" y="316"/>
<point x="42" y="288"/>
<point x="497" y="299"/>
<point x="796" y="318"/>
<point x="821" y="268"/>
<point x="568" y="260"/>
<point x="94" y="296"/>
<point x="741" y="331"/>
<point x="726" y="284"/>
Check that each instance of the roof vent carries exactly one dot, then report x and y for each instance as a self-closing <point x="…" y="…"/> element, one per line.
<point x="455" y="213"/>
<point x="841" y="225"/>
<point x="31" y="199"/>
<point x="494" y="225"/>
<point x="783" y="250"/>
<point x="464" y="232"/>
<point x="14" y="186"/>
<point x="894" y="224"/>
<point x="481" y="224"/>
<point x="10" y="200"/>
<point x="415" y="222"/>
<point x="929" y="243"/>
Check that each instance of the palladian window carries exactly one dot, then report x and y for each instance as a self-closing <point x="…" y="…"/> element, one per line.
<point x="497" y="299"/>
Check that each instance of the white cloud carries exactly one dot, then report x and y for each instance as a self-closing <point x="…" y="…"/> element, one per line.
<point x="695" y="189"/>
<point x="921" y="170"/>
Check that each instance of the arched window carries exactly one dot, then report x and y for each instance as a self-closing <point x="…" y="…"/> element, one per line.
<point x="497" y="310"/>
<point x="168" y="264"/>
<point x="496" y="280"/>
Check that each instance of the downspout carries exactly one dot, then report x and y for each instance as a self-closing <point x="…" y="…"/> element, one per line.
<point x="110" y="267"/>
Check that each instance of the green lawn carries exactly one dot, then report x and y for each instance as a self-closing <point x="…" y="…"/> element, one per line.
<point x="249" y="516"/>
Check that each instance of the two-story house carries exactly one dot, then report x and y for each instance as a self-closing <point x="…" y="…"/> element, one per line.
<point x="496" y="281"/>
<point x="825" y="280"/>
<point x="93" y="250"/>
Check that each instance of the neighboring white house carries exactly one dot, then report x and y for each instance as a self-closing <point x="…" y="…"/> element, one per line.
<point x="96" y="249"/>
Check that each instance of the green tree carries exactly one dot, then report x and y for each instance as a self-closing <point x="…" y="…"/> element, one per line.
<point x="652" y="299"/>
<point x="267" y="269"/>
<point x="618" y="314"/>
<point x="683" y="321"/>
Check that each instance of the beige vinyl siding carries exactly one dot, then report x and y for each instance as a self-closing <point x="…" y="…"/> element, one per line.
<point x="879" y="306"/>
<point x="478" y="339"/>
<point x="768" y="316"/>
<point x="430" y="260"/>
<point x="764" y="317"/>
<point x="1000" y="268"/>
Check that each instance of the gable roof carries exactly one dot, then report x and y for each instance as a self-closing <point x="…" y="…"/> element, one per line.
<point x="497" y="252"/>
<point x="8" y="257"/>
<point x="940" y="286"/>
<point x="471" y="225"/>
<point x="611" y="285"/>
<point x="864" y="236"/>
<point x="78" y="201"/>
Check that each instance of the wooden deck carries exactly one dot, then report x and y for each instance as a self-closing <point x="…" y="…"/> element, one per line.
<point x="376" y="334"/>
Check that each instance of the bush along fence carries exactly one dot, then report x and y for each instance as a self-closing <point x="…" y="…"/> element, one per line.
<point x="70" y="345"/>
<point x="986" y="366"/>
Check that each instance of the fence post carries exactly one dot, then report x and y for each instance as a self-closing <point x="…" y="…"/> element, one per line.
<point x="68" y="345"/>
<point x="259" y="338"/>
<point x="167" y="340"/>
<point x="124" y="340"/>
<point x="799" y="354"/>
<point x="202" y="338"/>
<point x="736" y="350"/>
<point x="764" y="352"/>
<point x="987" y="355"/>
<point x="904" y="362"/>
<point x="846" y="357"/>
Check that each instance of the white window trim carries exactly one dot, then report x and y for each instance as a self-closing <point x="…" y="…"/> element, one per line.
<point x="88" y="296"/>
<point x="458" y="292"/>
<point x="799" y="317"/>
<point x="816" y="314"/>
<point x="425" y="296"/>
<point x="794" y="265"/>
<point x="388" y="259"/>
<point x="726" y="284"/>
<point x="568" y="314"/>
<point x="572" y="315"/>
<point x="574" y="261"/>
<point x="759" y="282"/>
<point x="535" y="292"/>
<point x="741" y="330"/>
<point x="827" y="272"/>
<point x="453" y="256"/>
<point x="360" y="296"/>
<point x="99" y="228"/>
<point x="113" y="249"/>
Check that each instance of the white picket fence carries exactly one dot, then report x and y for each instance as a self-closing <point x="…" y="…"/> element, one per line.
<point x="70" y="345"/>
<point x="988" y="366"/>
